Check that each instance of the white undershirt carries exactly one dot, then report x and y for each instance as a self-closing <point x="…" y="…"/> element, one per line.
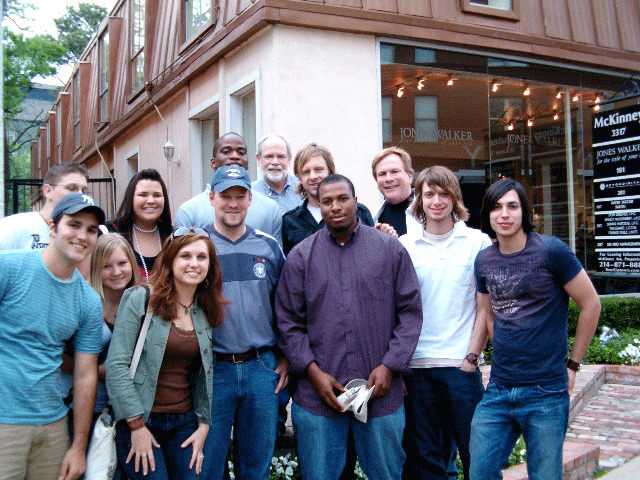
<point x="315" y="212"/>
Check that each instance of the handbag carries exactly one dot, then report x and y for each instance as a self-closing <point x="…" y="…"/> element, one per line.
<point x="101" y="455"/>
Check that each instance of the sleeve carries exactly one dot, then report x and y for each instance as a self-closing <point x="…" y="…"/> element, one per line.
<point x="88" y="338"/>
<point x="408" y="310"/>
<point x="562" y="261"/>
<point x="481" y="284"/>
<point x="291" y="314"/>
<point x="122" y="393"/>
<point x="7" y="234"/>
<point x="183" y="217"/>
<point x="365" y="216"/>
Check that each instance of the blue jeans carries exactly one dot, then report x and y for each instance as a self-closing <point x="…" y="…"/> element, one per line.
<point x="172" y="461"/>
<point x="243" y="398"/>
<point x="439" y="408"/>
<point x="540" y="414"/>
<point x="322" y="444"/>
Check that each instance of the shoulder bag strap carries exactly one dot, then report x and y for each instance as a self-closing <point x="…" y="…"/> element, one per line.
<point x="137" y="352"/>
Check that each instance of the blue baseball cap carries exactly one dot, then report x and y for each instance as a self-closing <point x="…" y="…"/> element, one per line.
<point x="74" y="203"/>
<point x="230" y="176"/>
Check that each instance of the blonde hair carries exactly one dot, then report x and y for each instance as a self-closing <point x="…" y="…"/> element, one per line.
<point x="303" y="156"/>
<point x="105" y="246"/>
<point x="404" y="156"/>
<point x="445" y="179"/>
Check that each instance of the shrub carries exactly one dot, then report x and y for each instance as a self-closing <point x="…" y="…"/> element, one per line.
<point x="621" y="313"/>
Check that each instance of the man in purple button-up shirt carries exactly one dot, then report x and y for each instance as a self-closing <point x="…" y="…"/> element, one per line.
<point x="348" y="306"/>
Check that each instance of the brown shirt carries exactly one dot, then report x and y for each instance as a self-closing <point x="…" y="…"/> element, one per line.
<point x="181" y="360"/>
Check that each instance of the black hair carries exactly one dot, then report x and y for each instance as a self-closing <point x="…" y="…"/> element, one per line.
<point x="216" y="144"/>
<point x="124" y="218"/>
<point x="494" y="193"/>
<point x="336" y="178"/>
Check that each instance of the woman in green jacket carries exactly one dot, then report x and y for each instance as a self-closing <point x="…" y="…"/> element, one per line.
<point x="163" y="412"/>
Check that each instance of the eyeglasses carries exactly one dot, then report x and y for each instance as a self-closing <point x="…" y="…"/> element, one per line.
<point x="271" y="157"/>
<point x="180" y="231"/>
<point x="73" y="188"/>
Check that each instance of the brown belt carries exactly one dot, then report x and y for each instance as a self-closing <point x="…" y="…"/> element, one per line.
<point x="241" y="357"/>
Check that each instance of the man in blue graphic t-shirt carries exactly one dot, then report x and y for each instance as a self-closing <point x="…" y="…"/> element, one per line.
<point x="524" y="281"/>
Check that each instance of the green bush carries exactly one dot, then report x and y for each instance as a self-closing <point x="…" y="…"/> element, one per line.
<point x="621" y="313"/>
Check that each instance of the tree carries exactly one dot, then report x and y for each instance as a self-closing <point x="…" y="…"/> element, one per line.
<point x="77" y="25"/>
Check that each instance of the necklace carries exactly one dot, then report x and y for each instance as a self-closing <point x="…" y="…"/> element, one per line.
<point x="186" y="307"/>
<point x="135" y="239"/>
<point x="145" y="231"/>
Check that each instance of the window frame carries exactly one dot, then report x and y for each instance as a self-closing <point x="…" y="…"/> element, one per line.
<point x="103" y="78"/>
<point x="137" y="56"/>
<point x="468" y="6"/>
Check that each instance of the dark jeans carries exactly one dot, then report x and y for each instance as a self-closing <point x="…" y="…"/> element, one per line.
<point x="439" y="408"/>
<point x="172" y="461"/>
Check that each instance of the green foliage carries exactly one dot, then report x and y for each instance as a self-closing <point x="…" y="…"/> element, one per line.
<point x="77" y="25"/>
<point x="610" y="352"/>
<point x="621" y="313"/>
<point x="24" y="59"/>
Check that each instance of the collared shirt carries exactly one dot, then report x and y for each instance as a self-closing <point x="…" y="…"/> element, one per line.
<point x="448" y="290"/>
<point x="287" y="200"/>
<point x="349" y="308"/>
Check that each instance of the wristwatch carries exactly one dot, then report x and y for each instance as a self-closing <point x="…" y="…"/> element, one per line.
<point x="135" y="423"/>
<point x="572" y="365"/>
<point x="472" y="358"/>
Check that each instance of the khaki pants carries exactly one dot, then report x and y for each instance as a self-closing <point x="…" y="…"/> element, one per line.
<point x="33" y="452"/>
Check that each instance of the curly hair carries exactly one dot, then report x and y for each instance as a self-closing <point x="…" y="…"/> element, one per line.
<point x="164" y="295"/>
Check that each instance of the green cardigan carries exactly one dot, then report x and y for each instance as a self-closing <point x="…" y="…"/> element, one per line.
<point x="131" y="397"/>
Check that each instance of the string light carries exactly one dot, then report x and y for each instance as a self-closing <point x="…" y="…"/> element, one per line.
<point x="400" y="91"/>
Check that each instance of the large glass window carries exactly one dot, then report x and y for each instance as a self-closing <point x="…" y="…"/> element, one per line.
<point x="137" y="32"/>
<point x="487" y="118"/>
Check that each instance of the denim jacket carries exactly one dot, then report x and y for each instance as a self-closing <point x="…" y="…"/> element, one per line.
<point x="134" y="397"/>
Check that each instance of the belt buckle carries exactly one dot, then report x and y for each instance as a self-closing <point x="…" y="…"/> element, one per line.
<point x="234" y="360"/>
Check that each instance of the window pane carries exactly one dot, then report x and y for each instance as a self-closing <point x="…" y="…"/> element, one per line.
<point x="501" y="4"/>
<point x="426" y="115"/>
<point x="198" y="13"/>
<point x="104" y="77"/>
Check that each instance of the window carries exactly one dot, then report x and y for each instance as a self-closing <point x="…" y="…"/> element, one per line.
<point x="244" y="110"/>
<point x="386" y="118"/>
<point x="197" y="14"/>
<point x="59" y="130"/>
<point x="76" y="110"/>
<point x="426" y="114"/>
<point x="137" y="32"/>
<point x="507" y="9"/>
<point x="103" y="88"/>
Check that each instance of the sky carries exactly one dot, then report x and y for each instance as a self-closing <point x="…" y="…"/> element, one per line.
<point x="42" y="22"/>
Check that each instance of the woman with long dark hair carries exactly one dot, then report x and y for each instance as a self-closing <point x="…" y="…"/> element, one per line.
<point x="144" y="218"/>
<point x="163" y="412"/>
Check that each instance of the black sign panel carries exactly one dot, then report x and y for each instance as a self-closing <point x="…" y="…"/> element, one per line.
<point x="616" y="165"/>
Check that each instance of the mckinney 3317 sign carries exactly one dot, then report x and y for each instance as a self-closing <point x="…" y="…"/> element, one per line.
<point x="616" y="169"/>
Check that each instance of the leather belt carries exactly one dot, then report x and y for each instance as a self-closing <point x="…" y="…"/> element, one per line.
<point x="241" y="357"/>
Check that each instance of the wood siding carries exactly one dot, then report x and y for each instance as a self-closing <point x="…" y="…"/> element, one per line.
<point x="596" y="33"/>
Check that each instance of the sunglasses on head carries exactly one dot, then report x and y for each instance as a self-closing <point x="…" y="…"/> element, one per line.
<point x="180" y="231"/>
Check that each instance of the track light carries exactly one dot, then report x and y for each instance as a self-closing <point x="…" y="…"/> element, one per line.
<point x="527" y="90"/>
<point x="558" y="92"/>
<point x="530" y="122"/>
<point x="555" y="115"/>
<point x="421" y="84"/>
<point x="400" y="91"/>
<point x="511" y="126"/>
<point x="450" y="81"/>
<point x="494" y="86"/>
<point x="576" y="97"/>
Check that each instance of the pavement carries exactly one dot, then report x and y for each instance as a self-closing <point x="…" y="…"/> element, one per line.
<point x="605" y="413"/>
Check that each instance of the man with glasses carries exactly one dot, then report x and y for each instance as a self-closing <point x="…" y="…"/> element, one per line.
<point x="30" y="230"/>
<point x="274" y="158"/>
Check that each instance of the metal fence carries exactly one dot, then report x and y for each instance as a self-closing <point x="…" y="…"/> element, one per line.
<point x="25" y="195"/>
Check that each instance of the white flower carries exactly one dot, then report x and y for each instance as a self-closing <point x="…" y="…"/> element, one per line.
<point x="288" y="471"/>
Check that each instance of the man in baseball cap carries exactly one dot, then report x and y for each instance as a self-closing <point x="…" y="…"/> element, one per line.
<point x="45" y="301"/>
<point x="245" y="343"/>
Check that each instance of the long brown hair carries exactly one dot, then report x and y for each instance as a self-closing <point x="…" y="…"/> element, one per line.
<point x="444" y="178"/>
<point x="103" y="249"/>
<point x="164" y="295"/>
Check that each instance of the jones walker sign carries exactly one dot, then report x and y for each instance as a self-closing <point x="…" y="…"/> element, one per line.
<point x="616" y="165"/>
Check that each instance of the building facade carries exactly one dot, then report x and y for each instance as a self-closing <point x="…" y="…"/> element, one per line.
<point x="488" y="88"/>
